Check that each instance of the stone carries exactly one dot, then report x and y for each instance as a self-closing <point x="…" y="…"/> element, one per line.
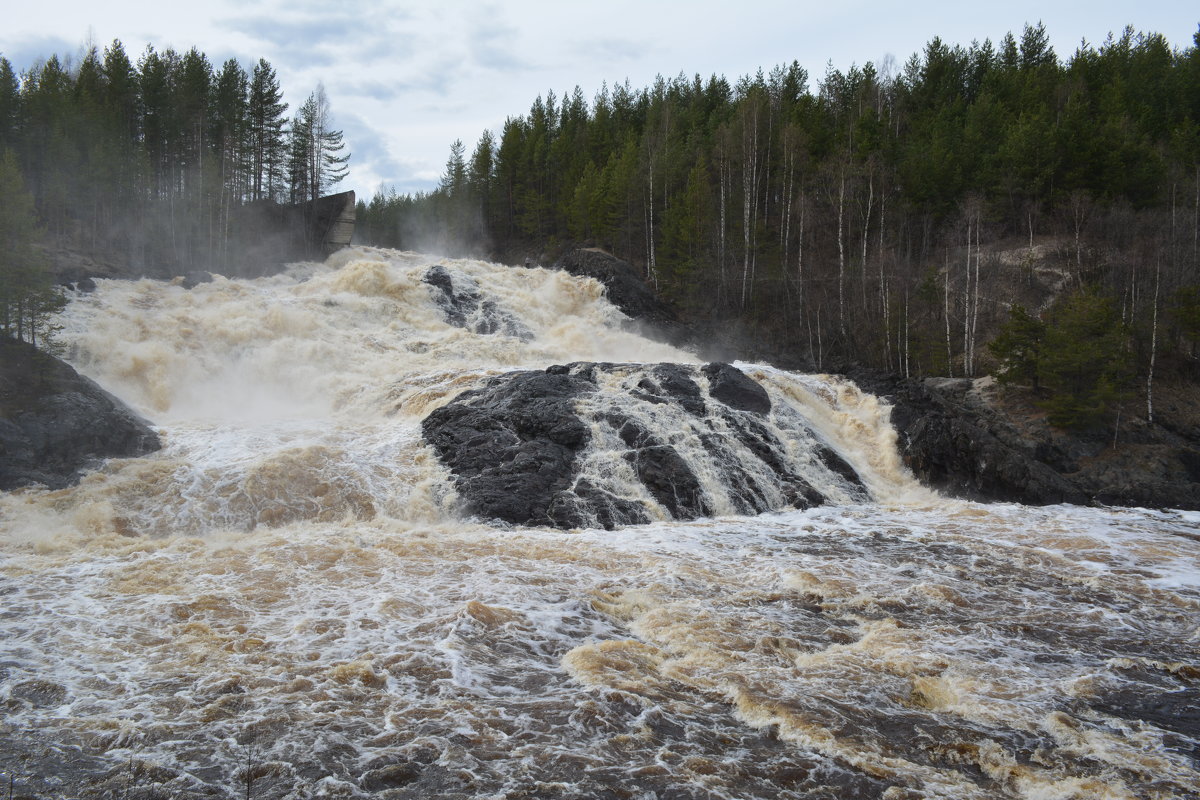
<point x="465" y="307"/>
<point x="196" y="277"/>
<point x="623" y="285"/>
<point x="514" y="446"/>
<point x="733" y="388"/>
<point x="56" y="424"/>
<point x="957" y="436"/>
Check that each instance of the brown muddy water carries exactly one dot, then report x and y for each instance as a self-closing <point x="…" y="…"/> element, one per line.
<point x="286" y="601"/>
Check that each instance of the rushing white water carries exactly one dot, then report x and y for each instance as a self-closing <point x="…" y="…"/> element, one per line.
<point x="285" y="601"/>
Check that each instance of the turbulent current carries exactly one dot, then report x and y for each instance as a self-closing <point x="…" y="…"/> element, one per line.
<point x="292" y="600"/>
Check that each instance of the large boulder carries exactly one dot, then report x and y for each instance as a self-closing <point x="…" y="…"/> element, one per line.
<point x="606" y="445"/>
<point x="56" y="424"/>
<point x="623" y="285"/>
<point x="512" y="444"/>
<point x="466" y="307"/>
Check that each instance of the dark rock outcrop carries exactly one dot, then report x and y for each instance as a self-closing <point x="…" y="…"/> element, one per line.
<point x="516" y="446"/>
<point x="55" y="424"/>
<point x="194" y="278"/>
<point x="512" y="444"/>
<point x="731" y="386"/>
<point x="964" y="438"/>
<point x="465" y="307"/>
<point x="624" y="286"/>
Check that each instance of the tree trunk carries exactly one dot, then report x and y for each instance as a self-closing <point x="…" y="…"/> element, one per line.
<point x="967" y="368"/>
<point x="866" y="230"/>
<point x="749" y="204"/>
<point x="975" y="304"/>
<point x="949" y="350"/>
<point x="1153" y="345"/>
<point x="841" y="256"/>
<point x="650" y="265"/>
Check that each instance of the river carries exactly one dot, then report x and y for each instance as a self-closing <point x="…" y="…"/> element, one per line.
<point x="287" y="601"/>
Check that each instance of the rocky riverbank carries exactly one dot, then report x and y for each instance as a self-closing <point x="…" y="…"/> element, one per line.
<point x="977" y="440"/>
<point x="972" y="438"/>
<point x="55" y="424"/>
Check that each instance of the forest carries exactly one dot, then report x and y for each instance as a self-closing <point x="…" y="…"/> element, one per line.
<point x="979" y="209"/>
<point x="898" y="216"/>
<point x="145" y="165"/>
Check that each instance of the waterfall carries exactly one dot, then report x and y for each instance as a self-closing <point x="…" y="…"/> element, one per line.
<point x="426" y="527"/>
<point x="300" y="397"/>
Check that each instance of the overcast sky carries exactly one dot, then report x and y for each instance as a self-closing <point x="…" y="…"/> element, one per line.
<point x="406" y="79"/>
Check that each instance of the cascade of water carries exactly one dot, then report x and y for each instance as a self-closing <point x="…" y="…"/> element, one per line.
<point x="287" y="601"/>
<point x="298" y="396"/>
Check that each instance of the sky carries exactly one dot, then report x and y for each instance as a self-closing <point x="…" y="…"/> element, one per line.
<point x="405" y="79"/>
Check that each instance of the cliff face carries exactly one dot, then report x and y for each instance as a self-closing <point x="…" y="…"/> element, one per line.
<point x="55" y="424"/>
<point x="973" y="439"/>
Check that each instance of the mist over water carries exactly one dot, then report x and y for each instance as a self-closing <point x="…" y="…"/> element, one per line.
<point x="288" y="600"/>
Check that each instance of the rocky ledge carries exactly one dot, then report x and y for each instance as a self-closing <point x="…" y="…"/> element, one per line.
<point x="624" y="288"/>
<point x="976" y="440"/>
<point x="607" y="445"/>
<point x="55" y="424"/>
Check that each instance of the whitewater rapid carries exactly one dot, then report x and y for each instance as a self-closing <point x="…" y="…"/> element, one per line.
<point x="287" y="600"/>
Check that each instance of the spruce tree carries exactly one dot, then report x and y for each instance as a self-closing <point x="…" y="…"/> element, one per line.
<point x="10" y="98"/>
<point x="1085" y="361"/>
<point x="267" y="143"/>
<point x="1018" y="348"/>
<point x="27" y="293"/>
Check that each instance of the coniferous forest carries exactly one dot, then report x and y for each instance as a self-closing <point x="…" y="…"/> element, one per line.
<point x="145" y="165"/>
<point x="981" y="209"/>
<point x="898" y="216"/>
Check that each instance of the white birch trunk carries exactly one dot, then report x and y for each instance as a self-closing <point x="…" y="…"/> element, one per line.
<point x="967" y="309"/>
<point x="1153" y="346"/>
<point x="975" y="304"/>
<point x="949" y="349"/>
<point x="841" y="255"/>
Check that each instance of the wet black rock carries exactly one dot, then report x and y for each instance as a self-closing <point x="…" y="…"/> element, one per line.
<point x="731" y="386"/>
<point x="465" y="307"/>
<point x="623" y="285"/>
<point x="952" y="448"/>
<point x="968" y="439"/>
<point x="515" y="446"/>
<point x="196" y="277"/>
<point x="512" y="444"/>
<point x="56" y="424"/>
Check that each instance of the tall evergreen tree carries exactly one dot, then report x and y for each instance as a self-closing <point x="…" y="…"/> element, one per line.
<point x="316" y="161"/>
<point x="10" y="111"/>
<point x="27" y="293"/>
<point x="267" y="144"/>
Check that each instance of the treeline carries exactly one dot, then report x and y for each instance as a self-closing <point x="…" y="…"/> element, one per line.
<point x="28" y="296"/>
<point x="145" y="163"/>
<point x="890" y="217"/>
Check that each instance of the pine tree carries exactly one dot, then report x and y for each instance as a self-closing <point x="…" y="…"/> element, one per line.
<point x="316" y="162"/>
<point x="1018" y="348"/>
<point x="1085" y="361"/>
<point x="300" y="157"/>
<point x="10" y="111"/>
<point x="267" y="144"/>
<point x="27" y="293"/>
<point x="230" y="127"/>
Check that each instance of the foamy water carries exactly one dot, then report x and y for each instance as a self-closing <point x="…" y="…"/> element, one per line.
<point x="286" y="602"/>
